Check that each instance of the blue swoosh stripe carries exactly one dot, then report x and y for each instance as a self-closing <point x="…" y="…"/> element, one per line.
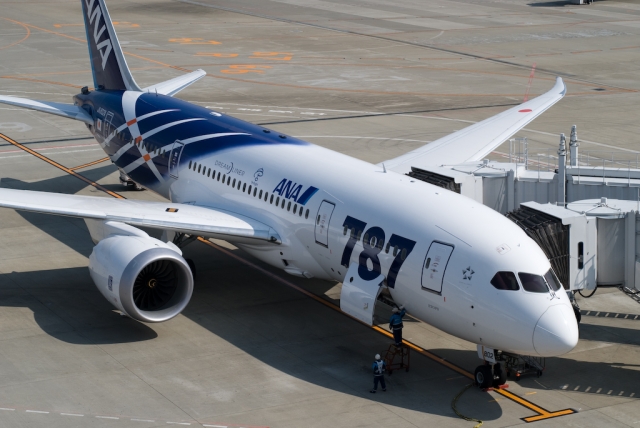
<point x="304" y="198"/>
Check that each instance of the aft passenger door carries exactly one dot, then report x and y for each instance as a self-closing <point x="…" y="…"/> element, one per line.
<point x="435" y="265"/>
<point x="322" y="222"/>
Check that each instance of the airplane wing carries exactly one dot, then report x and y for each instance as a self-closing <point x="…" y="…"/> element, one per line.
<point x="175" y="85"/>
<point x="477" y="141"/>
<point x="66" y="110"/>
<point x="184" y="218"/>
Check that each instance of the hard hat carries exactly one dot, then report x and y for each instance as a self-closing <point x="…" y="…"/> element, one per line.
<point x="377" y="356"/>
<point x="394" y="310"/>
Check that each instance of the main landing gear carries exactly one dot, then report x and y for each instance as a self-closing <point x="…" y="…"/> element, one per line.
<point x="127" y="181"/>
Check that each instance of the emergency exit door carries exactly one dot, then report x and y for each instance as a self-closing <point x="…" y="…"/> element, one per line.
<point x="174" y="158"/>
<point x="435" y="265"/>
<point x="322" y="222"/>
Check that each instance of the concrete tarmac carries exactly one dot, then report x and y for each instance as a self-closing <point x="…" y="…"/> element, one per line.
<point x="368" y="78"/>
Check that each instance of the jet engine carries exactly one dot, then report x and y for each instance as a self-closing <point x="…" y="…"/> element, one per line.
<point x="145" y="278"/>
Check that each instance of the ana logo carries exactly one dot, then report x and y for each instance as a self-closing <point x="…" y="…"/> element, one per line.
<point x="259" y="173"/>
<point x="290" y="190"/>
<point x="103" y="47"/>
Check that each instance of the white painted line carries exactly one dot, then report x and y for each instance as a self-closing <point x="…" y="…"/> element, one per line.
<point x="36" y="411"/>
<point x="57" y="153"/>
<point x="143" y="420"/>
<point x="179" y="423"/>
<point x="70" y="414"/>
<point x="5" y="408"/>
<point x="106" y="417"/>
<point x="215" y="426"/>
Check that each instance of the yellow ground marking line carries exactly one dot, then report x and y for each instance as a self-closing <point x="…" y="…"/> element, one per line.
<point x="62" y="167"/>
<point x="85" y="165"/>
<point x="22" y="39"/>
<point x="542" y="413"/>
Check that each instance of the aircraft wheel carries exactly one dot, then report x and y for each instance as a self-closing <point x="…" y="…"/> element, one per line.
<point x="576" y="311"/>
<point x="483" y="376"/>
<point x="499" y="376"/>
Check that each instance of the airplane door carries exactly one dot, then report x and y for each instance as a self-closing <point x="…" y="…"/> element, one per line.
<point x="174" y="159"/>
<point x="435" y="265"/>
<point x="322" y="222"/>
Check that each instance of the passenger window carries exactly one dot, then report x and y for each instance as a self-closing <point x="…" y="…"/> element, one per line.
<point x="255" y="191"/>
<point x="199" y="168"/>
<point x="300" y="214"/>
<point x="260" y="197"/>
<point x="209" y="173"/>
<point x="282" y="206"/>
<point x="505" y="281"/>
<point x="277" y="201"/>
<point x="295" y="208"/>
<point x="552" y="280"/>
<point x="249" y="192"/>
<point x="289" y="206"/>
<point x="244" y="187"/>
<point x="239" y="184"/>
<point x="218" y="176"/>
<point x="229" y="181"/>
<point x="306" y="215"/>
<point x="271" y="201"/>
<point x="533" y="283"/>
<point x="403" y="254"/>
<point x="189" y="164"/>
<point x="234" y="183"/>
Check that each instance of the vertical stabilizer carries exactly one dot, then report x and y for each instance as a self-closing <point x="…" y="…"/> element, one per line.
<point x="108" y="65"/>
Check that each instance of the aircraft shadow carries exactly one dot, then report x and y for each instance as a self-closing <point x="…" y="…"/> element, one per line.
<point x="67" y="306"/>
<point x="56" y="226"/>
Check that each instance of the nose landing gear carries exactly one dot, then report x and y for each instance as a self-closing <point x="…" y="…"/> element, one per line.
<point x="487" y="376"/>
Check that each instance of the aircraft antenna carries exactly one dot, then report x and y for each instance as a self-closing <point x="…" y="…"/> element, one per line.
<point x="384" y="168"/>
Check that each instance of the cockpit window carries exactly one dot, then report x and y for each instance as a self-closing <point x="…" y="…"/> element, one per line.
<point x="533" y="283"/>
<point x="505" y="281"/>
<point x="552" y="280"/>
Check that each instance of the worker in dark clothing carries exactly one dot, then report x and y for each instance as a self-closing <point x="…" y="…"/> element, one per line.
<point x="379" y="367"/>
<point x="395" y="324"/>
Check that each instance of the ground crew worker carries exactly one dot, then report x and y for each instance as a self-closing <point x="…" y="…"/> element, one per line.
<point x="395" y="324"/>
<point x="379" y="367"/>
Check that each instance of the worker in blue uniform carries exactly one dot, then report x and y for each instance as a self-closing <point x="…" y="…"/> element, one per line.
<point x="379" y="367"/>
<point x="395" y="324"/>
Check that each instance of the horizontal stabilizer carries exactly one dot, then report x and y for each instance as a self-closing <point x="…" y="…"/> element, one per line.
<point x="175" y="85"/>
<point x="183" y="218"/>
<point x="60" y="109"/>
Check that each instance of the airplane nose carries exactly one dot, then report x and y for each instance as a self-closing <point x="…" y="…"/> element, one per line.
<point x="556" y="332"/>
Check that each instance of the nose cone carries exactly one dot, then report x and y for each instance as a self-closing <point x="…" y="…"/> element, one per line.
<point x="556" y="332"/>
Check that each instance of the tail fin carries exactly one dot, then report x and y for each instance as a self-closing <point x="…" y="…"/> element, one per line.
<point x="108" y="65"/>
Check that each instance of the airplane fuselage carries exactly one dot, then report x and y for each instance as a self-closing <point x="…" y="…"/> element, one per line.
<point x="333" y="211"/>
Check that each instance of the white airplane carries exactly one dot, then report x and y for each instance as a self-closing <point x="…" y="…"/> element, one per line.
<point x="452" y="262"/>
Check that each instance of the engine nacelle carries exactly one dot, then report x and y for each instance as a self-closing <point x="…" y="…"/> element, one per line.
<point x="143" y="277"/>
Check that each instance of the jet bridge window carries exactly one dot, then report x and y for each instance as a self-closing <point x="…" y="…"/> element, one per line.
<point x="505" y="281"/>
<point x="533" y="283"/>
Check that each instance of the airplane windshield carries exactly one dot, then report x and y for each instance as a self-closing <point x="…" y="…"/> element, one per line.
<point x="533" y="283"/>
<point x="553" y="280"/>
<point x="505" y="281"/>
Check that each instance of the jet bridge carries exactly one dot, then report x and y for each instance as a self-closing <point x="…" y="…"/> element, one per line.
<point x="557" y="198"/>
